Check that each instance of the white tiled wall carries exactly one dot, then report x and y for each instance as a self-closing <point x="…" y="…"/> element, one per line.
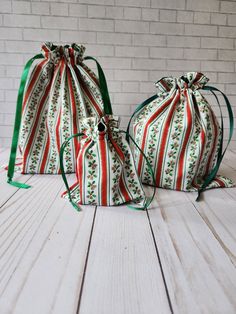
<point x="136" y="41"/>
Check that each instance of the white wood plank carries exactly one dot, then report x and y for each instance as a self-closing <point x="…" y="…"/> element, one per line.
<point x="230" y="159"/>
<point x="66" y="299"/>
<point x="123" y="274"/>
<point x="43" y="249"/>
<point x="7" y="190"/>
<point x="166" y="197"/>
<point x="199" y="274"/>
<point x="218" y="210"/>
<point x="4" y="155"/>
<point x="44" y="242"/>
<point x="227" y="170"/>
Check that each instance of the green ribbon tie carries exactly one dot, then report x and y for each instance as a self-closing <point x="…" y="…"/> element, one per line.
<point x="139" y="107"/>
<point x="220" y="156"/>
<point x="103" y="87"/>
<point x="148" y="200"/>
<point x="62" y="150"/>
<point x="19" y="104"/>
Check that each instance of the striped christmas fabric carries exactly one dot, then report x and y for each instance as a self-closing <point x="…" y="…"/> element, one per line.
<point x="180" y="135"/>
<point x="57" y="90"/>
<point x="105" y="170"/>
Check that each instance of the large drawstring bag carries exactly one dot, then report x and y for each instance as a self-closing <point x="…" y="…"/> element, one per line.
<point x="105" y="170"/>
<point x="57" y="90"/>
<point x="180" y="135"/>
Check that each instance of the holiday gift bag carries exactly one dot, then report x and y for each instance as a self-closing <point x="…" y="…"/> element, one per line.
<point x="105" y="169"/>
<point x="56" y="91"/>
<point x="180" y="135"/>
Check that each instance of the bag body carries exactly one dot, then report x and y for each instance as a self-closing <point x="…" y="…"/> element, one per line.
<point x="180" y="135"/>
<point x="57" y="90"/>
<point x="105" y="168"/>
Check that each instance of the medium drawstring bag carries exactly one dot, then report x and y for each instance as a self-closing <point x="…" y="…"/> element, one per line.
<point x="57" y="90"/>
<point x="105" y="169"/>
<point x="180" y="135"/>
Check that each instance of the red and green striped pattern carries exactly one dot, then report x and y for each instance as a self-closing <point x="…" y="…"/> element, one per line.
<point x="180" y="135"/>
<point x="106" y="173"/>
<point x="60" y="91"/>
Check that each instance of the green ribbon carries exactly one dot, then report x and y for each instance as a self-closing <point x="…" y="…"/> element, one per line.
<point x="11" y="164"/>
<point x="103" y="87"/>
<point x="139" y="107"/>
<point x="148" y="199"/>
<point x="220" y="156"/>
<point x="62" y="149"/>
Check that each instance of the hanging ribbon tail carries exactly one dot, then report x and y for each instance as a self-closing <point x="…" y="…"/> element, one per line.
<point x="103" y="87"/>
<point x="63" y="170"/>
<point x="18" y="184"/>
<point x="199" y="194"/>
<point x="136" y="207"/>
<point x="139" y="107"/>
<point x="221" y="154"/>
<point x="19" y="104"/>
<point x="75" y="206"/>
<point x="148" y="200"/>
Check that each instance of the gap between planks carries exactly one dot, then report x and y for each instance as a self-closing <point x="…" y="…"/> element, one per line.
<point x="180" y="302"/>
<point x="26" y="252"/>
<point x="199" y="274"/>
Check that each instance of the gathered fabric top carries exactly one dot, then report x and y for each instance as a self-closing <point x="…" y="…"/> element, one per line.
<point x="94" y="127"/>
<point x="69" y="53"/>
<point x="191" y="80"/>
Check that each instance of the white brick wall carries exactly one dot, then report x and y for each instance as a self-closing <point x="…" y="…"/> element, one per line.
<point x="136" y="41"/>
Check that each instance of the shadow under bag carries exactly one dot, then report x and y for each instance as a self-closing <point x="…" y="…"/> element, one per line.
<point x="57" y="90"/>
<point x="180" y="135"/>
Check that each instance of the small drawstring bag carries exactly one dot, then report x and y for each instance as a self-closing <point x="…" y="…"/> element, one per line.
<point x="180" y="135"/>
<point x="105" y="168"/>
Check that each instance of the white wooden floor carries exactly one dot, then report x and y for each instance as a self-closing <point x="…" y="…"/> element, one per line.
<point x="178" y="257"/>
